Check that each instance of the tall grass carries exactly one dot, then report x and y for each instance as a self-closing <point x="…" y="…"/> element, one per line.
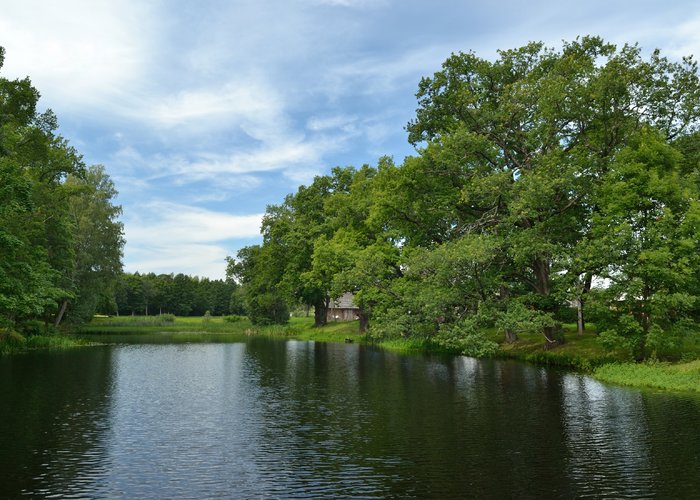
<point x="137" y="321"/>
<point x="680" y="376"/>
<point x="13" y="343"/>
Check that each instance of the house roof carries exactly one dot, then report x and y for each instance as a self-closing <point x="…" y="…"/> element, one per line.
<point x="345" y="301"/>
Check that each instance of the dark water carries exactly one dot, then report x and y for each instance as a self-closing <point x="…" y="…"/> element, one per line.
<point x="271" y="419"/>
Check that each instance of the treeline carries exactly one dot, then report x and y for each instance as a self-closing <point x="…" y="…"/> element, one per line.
<point x="178" y="294"/>
<point x="548" y="186"/>
<point x="60" y="238"/>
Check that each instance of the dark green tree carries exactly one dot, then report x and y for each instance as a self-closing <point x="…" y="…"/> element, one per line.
<point x="532" y="135"/>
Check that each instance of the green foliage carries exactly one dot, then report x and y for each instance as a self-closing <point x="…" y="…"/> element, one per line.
<point x="267" y="309"/>
<point x="60" y="243"/>
<point x="11" y="341"/>
<point x="519" y="318"/>
<point x="207" y="317"/>
<point x="468" y="338"/>
<point x="233" y="318"/>
<point x="99" y="240"/>
<point x="538" y="175"/>
<point x="176" y="294"/>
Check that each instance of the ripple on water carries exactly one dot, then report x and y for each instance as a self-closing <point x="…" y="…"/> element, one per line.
<point x="305" y="420"/>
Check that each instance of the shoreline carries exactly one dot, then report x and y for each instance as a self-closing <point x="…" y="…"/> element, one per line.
<point x="581" y="353"/>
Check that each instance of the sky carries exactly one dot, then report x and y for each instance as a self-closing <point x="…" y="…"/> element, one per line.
<point x="204" y="112"/>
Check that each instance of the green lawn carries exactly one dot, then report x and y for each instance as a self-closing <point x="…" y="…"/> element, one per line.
<point x="676" y="376"/>
<point x="298" y="328"/>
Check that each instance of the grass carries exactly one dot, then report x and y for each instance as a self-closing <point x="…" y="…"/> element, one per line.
<point x="297" y="328"/>
<point x="162" y="324"/>
<point x="656" y="375"/>
<point x="580" y="351"/>
<point x="14" y="343"/>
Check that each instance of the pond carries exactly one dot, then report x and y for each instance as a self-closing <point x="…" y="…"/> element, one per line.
<point x="292" y="419"/>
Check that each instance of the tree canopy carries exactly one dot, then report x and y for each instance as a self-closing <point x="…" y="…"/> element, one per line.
<point x="544" y="180"/>
<point x="60" y="238"/>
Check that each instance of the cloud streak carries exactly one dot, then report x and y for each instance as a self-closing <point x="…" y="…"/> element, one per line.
<point x="204" y="112"/>
<point x="167" y="222"/>
<point x="164" y="237"/>
<point x="78" y="54"/>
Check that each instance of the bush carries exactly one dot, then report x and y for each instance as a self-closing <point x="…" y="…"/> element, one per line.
<point x="268" y="309"/>
<point x="31" y="327"/>
<point x="467" y="338"/>
<point x="566" y="314"/>
<point x="10" y="339"/>
<point x="233" y="318"/>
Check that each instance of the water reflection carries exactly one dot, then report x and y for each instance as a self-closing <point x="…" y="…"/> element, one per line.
<point x="608" y="443"/>
<point x="53" y="409"/>
<point x="304" y="419"/>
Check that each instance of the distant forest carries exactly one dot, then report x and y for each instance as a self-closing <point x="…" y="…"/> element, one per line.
<point x="178" y="294"/>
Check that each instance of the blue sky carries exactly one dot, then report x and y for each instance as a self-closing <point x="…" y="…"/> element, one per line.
<point x="204" y="112"/>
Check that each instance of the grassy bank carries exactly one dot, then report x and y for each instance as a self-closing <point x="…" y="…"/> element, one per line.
<point x="14" y="343"/>
<point x="656" y="375"/>
<point x="580" y="352"/>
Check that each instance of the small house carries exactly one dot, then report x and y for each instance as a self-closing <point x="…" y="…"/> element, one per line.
<point x="343" y="309"/>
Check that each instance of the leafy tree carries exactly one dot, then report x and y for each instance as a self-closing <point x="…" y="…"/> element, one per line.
<point x="259" y="273"/>
<point x="98" y="241"/>
<point x="534" y="133"/>
<point x="35" y="239"/>
<point x="646" y="230"/>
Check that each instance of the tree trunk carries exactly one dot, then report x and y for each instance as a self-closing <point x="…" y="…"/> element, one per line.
<point x="321" y="312"/>
<point x="580" y="326"/>
<point x="511" y="336"/>
<point x="61" y="312"/>
<point x="549" y="334"/>
<point x="364" y="320"/>
<point x="542" y="271"/>
<point x="581" y="321"/>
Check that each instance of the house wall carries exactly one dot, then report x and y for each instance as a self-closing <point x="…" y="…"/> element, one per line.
<point x="342" y="314"/>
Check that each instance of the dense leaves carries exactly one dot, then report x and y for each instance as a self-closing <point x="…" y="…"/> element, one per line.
<point x="547" y="184"/>
<point x="60" y="240"/>
<point x="178" y="294"/>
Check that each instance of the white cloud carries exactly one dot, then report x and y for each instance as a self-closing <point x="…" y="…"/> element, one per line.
<point x="684" y="39"/>
<point x="287" y="155"/>
<point x="77" y="53"/>
<point x="172" y="223"/>
<point x="381" y="75"/>
<point x="193" y="259"/>
<point x="360" y="4"/>
<point x="266" y="158"/>
<point x="249" y="104"/>
<point x="341" y="122"/>
<point x="169" y="237"/>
